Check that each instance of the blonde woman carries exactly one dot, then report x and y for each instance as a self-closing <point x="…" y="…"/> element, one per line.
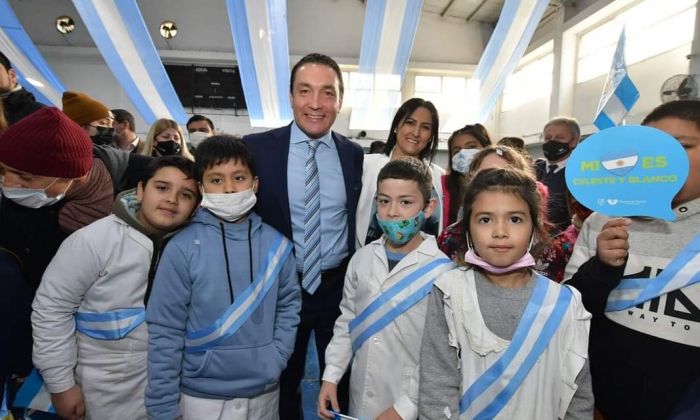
<point x="164" y="138"/>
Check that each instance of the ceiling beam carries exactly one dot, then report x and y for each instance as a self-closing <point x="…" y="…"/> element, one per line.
<point x="442" y="14"/>
<point x="471" y="15"/>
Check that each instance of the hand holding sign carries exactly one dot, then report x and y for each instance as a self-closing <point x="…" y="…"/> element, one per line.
<point x="628" y="171"/>
<point x="612" y="242"/>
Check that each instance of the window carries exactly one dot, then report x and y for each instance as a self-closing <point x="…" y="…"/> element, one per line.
<point x="451" y="97"/>
<point x="532" y="81"/>
<point x="652" y="27"/>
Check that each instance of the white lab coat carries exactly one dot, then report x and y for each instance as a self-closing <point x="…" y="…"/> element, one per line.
<point x="385" y="368"/>
<point x="370" y="170"/>
<point x="548" y="388"/>
<point x="102" y="267"/>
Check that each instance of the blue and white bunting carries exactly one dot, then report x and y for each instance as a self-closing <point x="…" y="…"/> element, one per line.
<point x="510" y="38"/>
<point x="33" y="72"/>
<point x="619" y="93"/>
<point x="259" y="29"/>
<point x="387" y="41"/>
<point x="122" y="38"/>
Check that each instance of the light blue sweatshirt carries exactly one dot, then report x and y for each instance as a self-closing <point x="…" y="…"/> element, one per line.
<point x="191" y="290"/>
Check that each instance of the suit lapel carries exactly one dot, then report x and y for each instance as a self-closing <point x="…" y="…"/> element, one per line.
<point x="282" y="138"/>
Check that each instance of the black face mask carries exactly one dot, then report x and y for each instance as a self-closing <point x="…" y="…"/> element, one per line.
<point x="104" y="136"/>
<point x="554" y="150"/>
<point x="166" y="148"/>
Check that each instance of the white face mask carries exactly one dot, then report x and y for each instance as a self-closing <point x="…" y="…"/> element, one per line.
<point x="33" y="197"/>
<point x="462" y="160"/>
<point x="230" y="207"/>
<point x="198" y="137"/>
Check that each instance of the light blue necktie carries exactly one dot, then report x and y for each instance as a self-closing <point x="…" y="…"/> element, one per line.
<point x="311" y="277"/>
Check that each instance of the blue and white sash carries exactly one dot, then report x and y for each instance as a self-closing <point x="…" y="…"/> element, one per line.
<point x="33" y="394"/>
<point x="398" y="299"/>
<point x="238" y="313"/>
<point x="682" y="271"/>
<point x="491" y="392"/>
<point x="113" y="325"/>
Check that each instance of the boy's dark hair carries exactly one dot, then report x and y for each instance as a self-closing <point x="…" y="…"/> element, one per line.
<point x="5" y="62"/>
<point x="121" y="115"/>
<point x="221" y="149"/>
<point x="197" y="117"/>
<point x="513" y="142"/>
<point x="317" y="58"/>
<point x="511" y="181"/>
<point x="686" y="109"/>
<point x="409" y="169"/>
<point x="185" y="165"/>
<point x="405" y="111"/>
<point x="377" y="146"/>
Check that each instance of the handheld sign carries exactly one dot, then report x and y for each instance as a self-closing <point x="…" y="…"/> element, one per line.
<point x="631" y="170"/>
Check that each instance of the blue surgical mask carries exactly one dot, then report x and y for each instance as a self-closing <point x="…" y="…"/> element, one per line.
<point x="33" y="197"/>
<point x="399" y="232"/>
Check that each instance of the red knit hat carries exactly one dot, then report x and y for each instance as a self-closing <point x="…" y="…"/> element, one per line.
<point x="47" y="143"/>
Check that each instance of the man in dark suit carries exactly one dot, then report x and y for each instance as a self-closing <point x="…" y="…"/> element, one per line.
<point x="310" y="181"/>
<point x="560" y="136"/>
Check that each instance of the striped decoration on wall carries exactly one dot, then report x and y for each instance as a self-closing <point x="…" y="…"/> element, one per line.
<point x="259" y="30"/>
<point x="121" y="36"/>
<point x="33" y="72"/>
<point x="387" y="41"/>
<point x="510" y="38"/>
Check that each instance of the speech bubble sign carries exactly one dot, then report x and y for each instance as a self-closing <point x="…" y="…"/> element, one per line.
<point x="631" y="170"/>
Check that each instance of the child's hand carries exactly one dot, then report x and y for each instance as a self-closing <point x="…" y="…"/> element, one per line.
<point x="70" y="404"/>
<point x="389" y="414"/>
<point x="612" y="242"/>
<point x="328" y="394"/>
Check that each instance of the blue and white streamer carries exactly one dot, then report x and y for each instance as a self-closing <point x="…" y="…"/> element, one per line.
<point x="395" y="301"/>
<point x="32" y="70"/>
<point x="510" y="38"/>
<point x="259" y="29"/>
<point x="120" y="34"/>
<point x="387" y="41"/>
<point x="682" y="271"/>
<point x="243" y="307"/>
<point x="619" y="93"/>
<point x="113" y="325"/>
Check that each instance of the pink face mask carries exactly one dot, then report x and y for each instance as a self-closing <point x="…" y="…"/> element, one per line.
<point x="527" y="260"/>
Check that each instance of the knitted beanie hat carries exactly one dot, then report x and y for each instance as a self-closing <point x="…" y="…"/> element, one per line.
<point x="83" y="109"/>
<point x="47" y="143"/>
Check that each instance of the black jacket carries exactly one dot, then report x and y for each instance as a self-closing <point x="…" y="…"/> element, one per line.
<point x="19" y="104"/>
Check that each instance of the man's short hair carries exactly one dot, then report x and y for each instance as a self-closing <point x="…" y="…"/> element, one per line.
<point x="219" y="149"/>
<point x="569" y="122"/>
<point x="5" y="61"/>
<point x="409" y="169"/>
<point x="197" y="117"/>
<point x="317" y="58"/>
<point x="686" y="109"/>
<point x="121" y="115"/>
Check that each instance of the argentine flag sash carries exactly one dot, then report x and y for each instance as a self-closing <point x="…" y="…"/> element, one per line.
<point x="242" y="308"/>
<point x="396" y="300"/>
<point x="682" y="271"/>
<point x="34" y="395"/>
<point x="113" y="325"/>
<point x="487" y="395"/>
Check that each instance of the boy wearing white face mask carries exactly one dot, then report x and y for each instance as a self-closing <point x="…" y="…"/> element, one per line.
<point x="224" y="309"/>
<point x="384" y="302"/>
